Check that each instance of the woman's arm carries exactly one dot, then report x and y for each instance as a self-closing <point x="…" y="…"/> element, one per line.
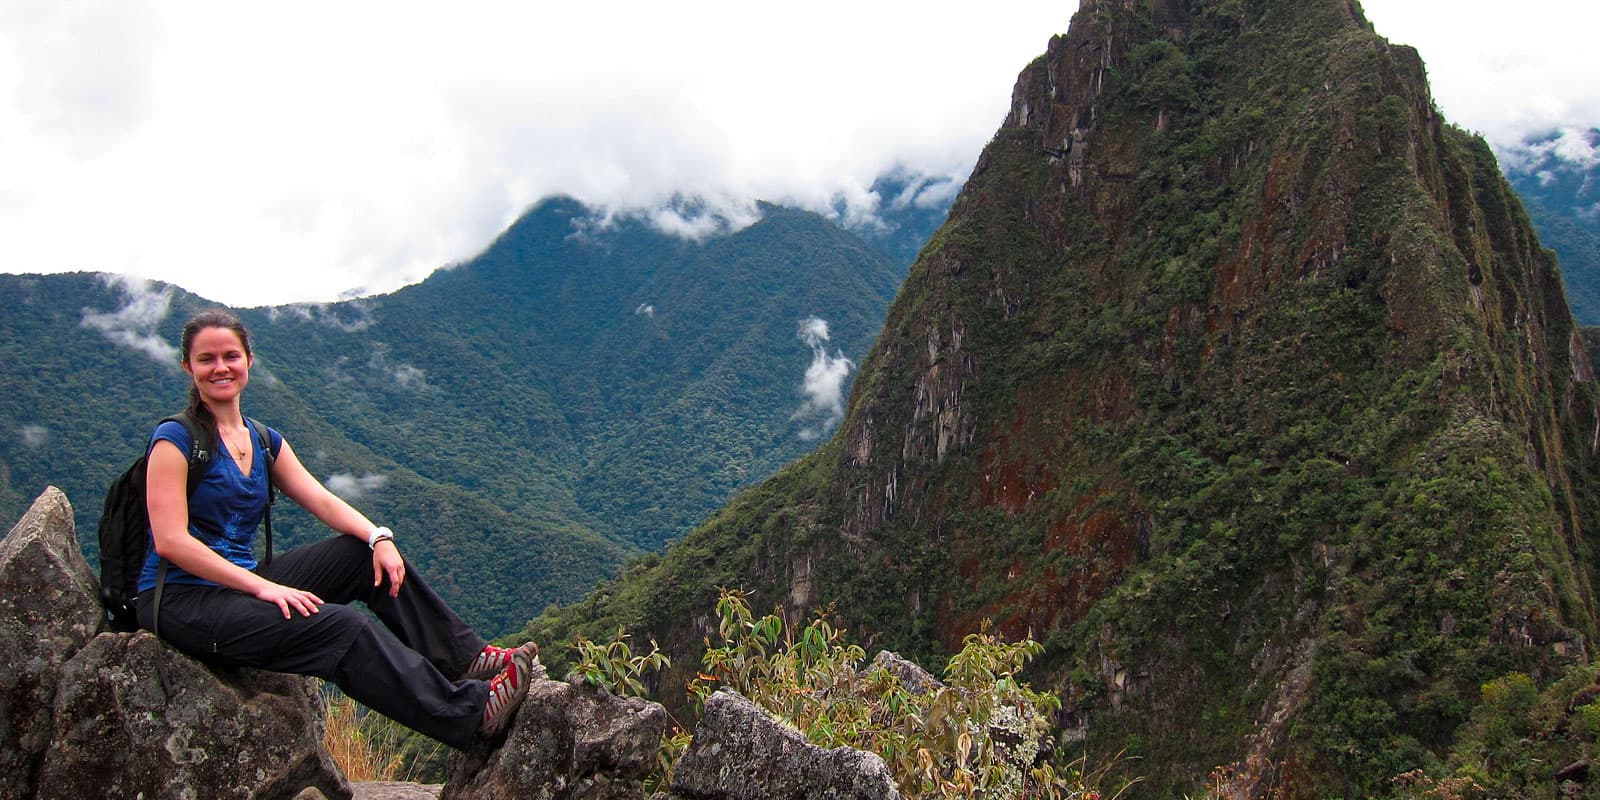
<point x="302" y="487"/>
<point x="166" y="495"/>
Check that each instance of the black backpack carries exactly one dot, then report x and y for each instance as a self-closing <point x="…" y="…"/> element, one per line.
<point x="125" y="523"/>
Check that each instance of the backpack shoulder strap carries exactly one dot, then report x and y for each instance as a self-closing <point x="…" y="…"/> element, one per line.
<point x="200" y="445"/>
<point x="264" y="442"/>
<point x="263" y="437"/>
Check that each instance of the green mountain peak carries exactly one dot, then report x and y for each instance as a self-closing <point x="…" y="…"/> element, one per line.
<point x="1238" y="378"/>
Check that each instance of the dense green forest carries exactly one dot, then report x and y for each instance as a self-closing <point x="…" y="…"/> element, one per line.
<point x="1238" y="378"/>
<point x="1271" y="436"/>
<point x="526" y="421"/>
<point x="1561" y="191"/>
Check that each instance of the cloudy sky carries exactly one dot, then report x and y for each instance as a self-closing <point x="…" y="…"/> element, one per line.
<point x="295" y="151"/>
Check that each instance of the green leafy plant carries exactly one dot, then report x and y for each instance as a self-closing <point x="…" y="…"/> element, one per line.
<point x="982" y="732"/>
<point x="614" y="665"/>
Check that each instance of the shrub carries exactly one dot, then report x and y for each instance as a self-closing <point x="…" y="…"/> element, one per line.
<point x="983" y="732"/>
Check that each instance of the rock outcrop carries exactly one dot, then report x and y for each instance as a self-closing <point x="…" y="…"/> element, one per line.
<point x="570" y="741"/>
<point x="740" y="752"/>
<point x="47" y="614"/>
<point x="89" y="713"/>
<point x="913" y="677"/>
<point x="207" y="733"/>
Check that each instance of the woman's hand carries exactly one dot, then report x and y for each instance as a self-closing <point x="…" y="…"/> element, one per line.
<point x="288" y="597"/>
<point x="386" y="560"/>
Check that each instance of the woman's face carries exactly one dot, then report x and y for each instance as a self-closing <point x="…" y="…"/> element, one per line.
<point x="218" y="364"/>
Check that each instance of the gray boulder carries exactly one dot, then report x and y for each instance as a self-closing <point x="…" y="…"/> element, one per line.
<point x="570" y="741"/>
<point x="48" y="612"/>
<point x="741" y="753"/>
<point x="390" y="790"/>
<point x="91" y="714"/>
<point x="916" y="679"/>
<point x="206" y="733"/>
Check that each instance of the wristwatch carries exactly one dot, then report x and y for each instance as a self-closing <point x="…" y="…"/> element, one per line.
<point x="379" y="534"/>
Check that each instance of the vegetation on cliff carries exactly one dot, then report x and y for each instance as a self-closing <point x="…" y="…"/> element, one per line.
<point x="1238" y="378"/>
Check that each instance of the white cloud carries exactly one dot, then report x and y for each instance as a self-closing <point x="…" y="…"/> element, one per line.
<point x="645" y="310"/>
<point x="409" y="377"/>
<point x="90" y="84"/>
<point x="350" y="487"/>
<point x="823" y="386"/>
<point x="134" y="324"/>
<point x="34" y="436"/>
<point x="1573" y="146"/>
<point x="325" y="148"/>
<point x="351" y="316"/>
<point x="405" y="376"/>
<point x="1507" y="72"/>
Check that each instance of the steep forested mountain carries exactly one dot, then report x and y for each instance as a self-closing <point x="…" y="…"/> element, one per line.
<point x="1238" y="377"/>
<point x="580" y="392"/>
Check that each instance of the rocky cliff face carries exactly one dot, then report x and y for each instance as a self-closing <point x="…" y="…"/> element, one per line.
<point x="1238" y="377"/>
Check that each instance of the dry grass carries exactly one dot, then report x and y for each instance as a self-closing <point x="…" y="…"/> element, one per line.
<point x="366" y="746"/>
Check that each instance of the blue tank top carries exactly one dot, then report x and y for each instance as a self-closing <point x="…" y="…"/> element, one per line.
<point x="226" y="507"/>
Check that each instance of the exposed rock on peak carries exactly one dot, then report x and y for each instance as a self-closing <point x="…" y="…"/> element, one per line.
<point x="1235" y="372"/>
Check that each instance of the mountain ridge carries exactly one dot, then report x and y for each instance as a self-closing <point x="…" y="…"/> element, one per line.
<point x="416" y="400"/>
<point x="1236" y="376"/>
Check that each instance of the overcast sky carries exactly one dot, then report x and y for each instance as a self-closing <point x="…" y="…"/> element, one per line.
<point x="293" y="151"/>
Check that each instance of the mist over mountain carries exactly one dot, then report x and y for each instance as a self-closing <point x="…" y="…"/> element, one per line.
<point x="1237" y="377"/>
<point x="584" y="390"/>
<point x="1558" y="178"/>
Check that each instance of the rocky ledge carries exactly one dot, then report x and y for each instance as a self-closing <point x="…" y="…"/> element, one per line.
<point x="87" y="713"/>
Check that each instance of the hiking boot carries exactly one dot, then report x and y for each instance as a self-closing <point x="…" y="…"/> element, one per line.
<point x="506" y="691"/>
<point x="491" y="661"/>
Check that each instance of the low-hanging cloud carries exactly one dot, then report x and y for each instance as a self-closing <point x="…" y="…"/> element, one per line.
<point x="350" y="316"/>
<point x="409" y="377"/>
<point x="373" y="169"/>
<point x="351" y="487"/>
<point x="823" y="387"/>
<point x="34" y="436"/>
<point x="1575" y="147"/>
<point x="403" y="375"/>
<point x="134" y="324"/>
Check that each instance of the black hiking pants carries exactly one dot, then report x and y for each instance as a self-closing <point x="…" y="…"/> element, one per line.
<point x="408" y="668"/>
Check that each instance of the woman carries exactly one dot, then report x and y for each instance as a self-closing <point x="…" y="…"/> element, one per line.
<point x="422" y="667"/>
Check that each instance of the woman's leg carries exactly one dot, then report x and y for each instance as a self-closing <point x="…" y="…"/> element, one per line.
<point x="339" y="570"/>
<point x="338" y="644"/>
